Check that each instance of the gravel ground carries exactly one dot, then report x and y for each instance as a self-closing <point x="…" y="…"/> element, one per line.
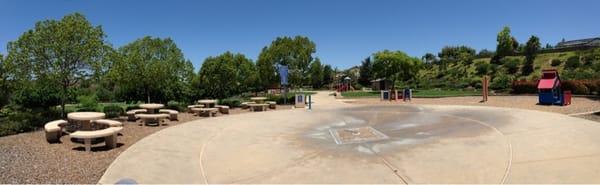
<point x="578" y="104"/>
<point x="28" y="158"/>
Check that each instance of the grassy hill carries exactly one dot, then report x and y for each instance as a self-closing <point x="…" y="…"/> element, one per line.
<point x="542" y="61"/>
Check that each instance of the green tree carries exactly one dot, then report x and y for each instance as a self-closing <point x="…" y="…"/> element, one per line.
<point x="484" y="53"/>
<point x="152" y="69"/>
<point x="430" y="58"/>
<point x="316" y="73"/>
<point x="505" y="45"/>
<point x="328" y="74"/>
<point x="459" y="58"/>
<point x="572" y="63"/>
<point x="395" y="66"/>
<point x="267" y="69"/>
<point x="59" y="52"/>
<point x="511" y="65"/>
<point x="531" y="49"/>
<point x="4" y="84"/>
<point x="365" y="72"/>
<point x="227" y="75"/>
<point x="295" y="52"/>
<point x="457" y="55"/>
<point x="482" y="68"/>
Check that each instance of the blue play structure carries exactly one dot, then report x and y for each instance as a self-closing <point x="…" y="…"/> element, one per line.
<point x="549" y="89"/>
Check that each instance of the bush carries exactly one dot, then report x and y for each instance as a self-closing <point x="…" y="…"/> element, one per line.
<point x="511" y="64"/>
<point x="523" y="86"/>
<point x="555" y="62"/>
<point x="113" y="111"/>
<point x="575" y="86"/>
<point x="231" y="102"/>
<point x="174" y="105"/>
<point x="572" y="62"/>
<point x="87" y="103"/>
<point x="14" y="119"/>
<point x="131" y="107"/>
<point x="482" y="68"/>
<point x="501" y="82"/>
<point x="280" y="98"/>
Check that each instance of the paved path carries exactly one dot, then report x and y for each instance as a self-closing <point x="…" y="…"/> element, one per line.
<point x="422" y="144"/>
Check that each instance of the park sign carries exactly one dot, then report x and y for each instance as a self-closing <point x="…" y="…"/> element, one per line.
<point x="283" y="74"/>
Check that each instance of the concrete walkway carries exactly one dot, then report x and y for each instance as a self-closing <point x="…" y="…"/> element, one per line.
<point x="379" y="144"/>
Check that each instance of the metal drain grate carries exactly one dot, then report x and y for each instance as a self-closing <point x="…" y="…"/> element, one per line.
<point x="356" y="135"/>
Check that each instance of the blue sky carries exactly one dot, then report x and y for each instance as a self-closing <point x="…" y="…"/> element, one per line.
<point x="345" y="31"/>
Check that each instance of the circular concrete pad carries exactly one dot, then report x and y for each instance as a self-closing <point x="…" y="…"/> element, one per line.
<point x="342" y="143"/>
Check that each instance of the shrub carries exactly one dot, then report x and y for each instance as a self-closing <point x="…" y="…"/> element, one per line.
<point x="87" y="103"/>
<point x="555" y="62"/>
<point x="575" y="86"/>
<point x="175" y="105"/>
<point x="16" y="120"/>
<point x="280" y="98"/>
<point x="482" y="68"/>
<point x="113" y="111"/>
<point x="523" y="86"/>
<point x="130" y="107"/>
<point x="501" y="82"/>
<point x="511" y="64"/>
<point x="231" y="102"/>
<point x="572" y="62"/>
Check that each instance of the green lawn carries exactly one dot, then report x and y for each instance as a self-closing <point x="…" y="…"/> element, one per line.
<point x="416" y="93"/>
<point x="73" y="107"/>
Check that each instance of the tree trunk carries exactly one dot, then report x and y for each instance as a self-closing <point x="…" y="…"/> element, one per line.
<point x="148" y="95"/>
<point x="62" y="101"/>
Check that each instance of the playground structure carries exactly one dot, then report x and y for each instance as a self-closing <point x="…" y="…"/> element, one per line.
<point x="549" y="89"/>
<point x="344" y="85"/>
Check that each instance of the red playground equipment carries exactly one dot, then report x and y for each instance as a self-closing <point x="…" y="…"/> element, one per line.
<point x="344" y="85"/>
<point x="549" y="89"/>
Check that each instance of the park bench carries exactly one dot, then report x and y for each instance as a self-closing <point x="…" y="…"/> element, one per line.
<point x="190" y="107"/>
<point x="108" y="122"/>
<point x="151" y="118"/>
<point x="258" y="107"/>
<point x="172" y="113"/>
<point x="246" y="105"/>
<point x="53" y="130"/>
<point x="131" y="114"/>
<point x="272" y="104"/>
<point x="209" y="112"/>
<point x="109" y="134"/>
<point x="223" y="109"/>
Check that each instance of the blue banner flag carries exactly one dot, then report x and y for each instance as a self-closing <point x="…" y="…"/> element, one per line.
<point x="283" y="74"/>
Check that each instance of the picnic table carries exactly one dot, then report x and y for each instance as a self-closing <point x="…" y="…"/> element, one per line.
<point x="85" y="118"/>
<point x="152" y="107"/>
<point x="258" y="100"/>
<point x="208" y="103"/>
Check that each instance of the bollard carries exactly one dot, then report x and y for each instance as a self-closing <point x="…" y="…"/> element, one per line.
<point x="309" y="102"/>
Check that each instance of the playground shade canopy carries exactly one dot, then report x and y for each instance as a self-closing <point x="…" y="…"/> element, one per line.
<point x="548" y="80"/>
<point x="546" y="83"/>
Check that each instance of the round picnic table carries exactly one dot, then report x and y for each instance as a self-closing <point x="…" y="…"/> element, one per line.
<point x="258" y="100"/>
<point x="208" y="103"/>
<point x="85" y="118"/>
<point x="152" y="107"/>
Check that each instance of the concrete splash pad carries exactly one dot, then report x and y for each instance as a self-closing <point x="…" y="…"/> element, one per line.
<point x="369" y="144"/>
